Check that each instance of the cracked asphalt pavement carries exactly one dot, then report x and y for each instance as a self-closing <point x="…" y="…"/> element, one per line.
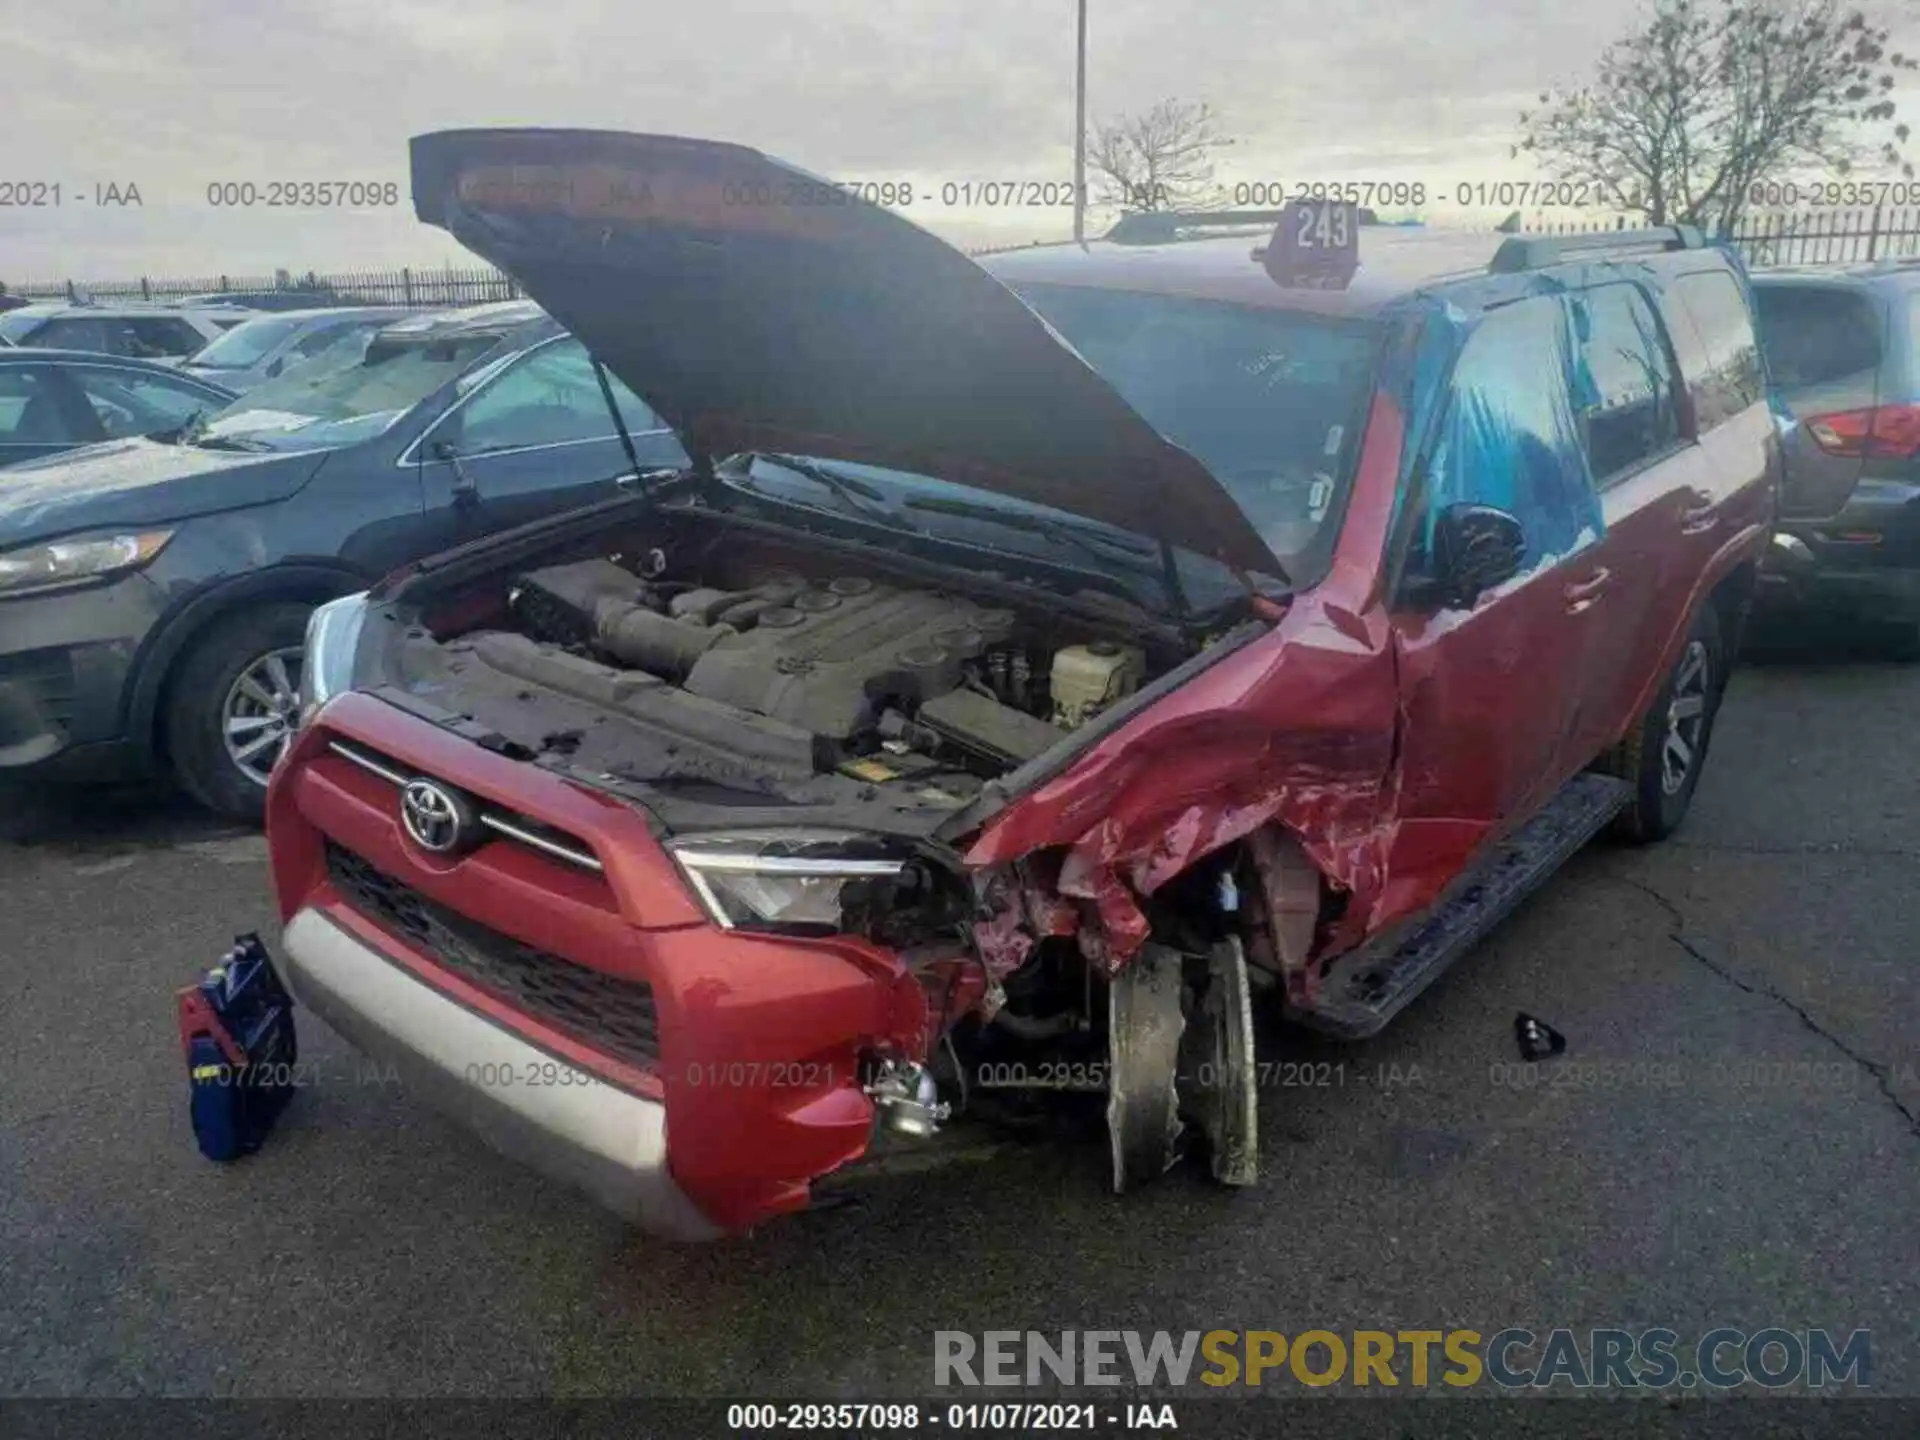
<point x="1730" y="1139"/>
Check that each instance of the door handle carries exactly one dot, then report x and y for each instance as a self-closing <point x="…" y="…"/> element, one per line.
<point x="1699" y="516"/>
<point x="1582" y="593"/>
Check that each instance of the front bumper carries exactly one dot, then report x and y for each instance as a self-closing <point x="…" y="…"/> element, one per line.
<point x="748" y="1049"/>
<point x="65" y="662"/>
<point x="609" y="1143"/>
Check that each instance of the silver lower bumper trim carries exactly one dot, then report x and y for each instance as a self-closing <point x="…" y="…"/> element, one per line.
<point x="599" y="1138"/>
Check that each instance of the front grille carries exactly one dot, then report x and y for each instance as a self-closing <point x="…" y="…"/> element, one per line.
<point x="511" y="823"/>
<point x="612" y="1015"/>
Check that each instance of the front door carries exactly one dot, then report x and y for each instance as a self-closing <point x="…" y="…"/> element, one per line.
<point x="1490" y="695"/>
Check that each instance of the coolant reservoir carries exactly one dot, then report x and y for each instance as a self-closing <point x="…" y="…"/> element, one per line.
<point x="1087" y="678"/>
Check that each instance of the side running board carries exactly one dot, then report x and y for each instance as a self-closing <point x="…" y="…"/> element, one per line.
<point x="1369" y="986"/>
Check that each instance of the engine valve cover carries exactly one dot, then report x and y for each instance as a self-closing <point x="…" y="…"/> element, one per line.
<point x="828" y="659"/>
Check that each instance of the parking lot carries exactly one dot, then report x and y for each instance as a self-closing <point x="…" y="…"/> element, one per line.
<point x="1732" y="1139"/>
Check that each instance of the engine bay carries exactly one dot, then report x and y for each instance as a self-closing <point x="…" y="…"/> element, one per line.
<point x="770" y="670"/>
<point x="889" y="683"/>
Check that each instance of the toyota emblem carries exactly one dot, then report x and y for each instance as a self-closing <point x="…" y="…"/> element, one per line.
<point x="436" y="819"/>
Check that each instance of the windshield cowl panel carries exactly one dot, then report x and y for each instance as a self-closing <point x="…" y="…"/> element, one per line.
<point x="943" y="511"/>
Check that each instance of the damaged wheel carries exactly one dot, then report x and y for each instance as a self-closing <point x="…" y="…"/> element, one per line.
<point x="1180" y="1041"/>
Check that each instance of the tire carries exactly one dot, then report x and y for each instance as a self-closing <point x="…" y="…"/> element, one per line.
<point x="209" y="691"/>
<point x="1645" y="759"/>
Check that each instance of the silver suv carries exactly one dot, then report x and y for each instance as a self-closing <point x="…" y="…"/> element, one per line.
<point x="135" y="330"/>
<point x="1843" y="347"/>
<point x="254" y="352"/>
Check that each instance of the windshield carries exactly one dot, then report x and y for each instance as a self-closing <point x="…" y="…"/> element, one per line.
<point x="961" y="514"/>
<point x="351" y="391"/>
<point x="1270" y="401"/>
<point x="16" y="324"/>
<point x="244" y="345"/>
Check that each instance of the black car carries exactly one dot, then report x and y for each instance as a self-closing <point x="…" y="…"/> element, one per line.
<point x="55" y="400"/>
<point x="154" y="593"/>
<point x="1844" y="350"/>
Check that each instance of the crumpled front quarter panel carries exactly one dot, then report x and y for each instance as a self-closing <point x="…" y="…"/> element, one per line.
<point x="1298" y="729"/>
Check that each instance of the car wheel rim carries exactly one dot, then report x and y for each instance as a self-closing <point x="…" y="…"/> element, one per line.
<point x="1686" y="719"/>
<point x="258" y="717"/>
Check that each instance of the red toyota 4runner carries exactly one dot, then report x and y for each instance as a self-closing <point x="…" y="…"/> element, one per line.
<point x="1037" y="660"/>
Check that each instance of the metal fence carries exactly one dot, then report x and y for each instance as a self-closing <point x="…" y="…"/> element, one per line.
<point x="443" y="285"/>
<point x="1806" y="237"/>
<point x="421" y="288"/>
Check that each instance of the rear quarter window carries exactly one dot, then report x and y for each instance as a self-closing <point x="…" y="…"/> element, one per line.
<point x="1713" y="330"/>
<point x="1816" y="334"/>
<point x="1624" y="381"/>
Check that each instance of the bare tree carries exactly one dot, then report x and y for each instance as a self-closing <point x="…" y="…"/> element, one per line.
<point x="1713" y="95"/>
<point x="1158" y="159"/>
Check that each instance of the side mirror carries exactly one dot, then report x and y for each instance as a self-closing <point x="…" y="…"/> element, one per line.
<point x="276" y="367"/>
<point x="1475" y="547"/>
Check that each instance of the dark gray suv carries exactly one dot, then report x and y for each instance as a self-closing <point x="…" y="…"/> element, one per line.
<point x="1844" y="350"/>
<point x="154" y="592"/>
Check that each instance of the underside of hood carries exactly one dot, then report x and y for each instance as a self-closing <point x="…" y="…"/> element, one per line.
<point x="757" y="307"/>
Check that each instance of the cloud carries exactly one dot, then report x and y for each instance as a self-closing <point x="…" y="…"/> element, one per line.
<point x="206" y="91"/>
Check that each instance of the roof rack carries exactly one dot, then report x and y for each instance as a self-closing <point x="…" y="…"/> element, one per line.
<point x="1157" y="227"/>
<point x="1536" y="252"/>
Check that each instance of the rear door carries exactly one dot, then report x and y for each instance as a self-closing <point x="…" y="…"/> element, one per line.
<point x="1628" y="397"/>
<point x="1736" y="462"/>
<point x="1824" y="342"/>
<point x="1491" y="695"/>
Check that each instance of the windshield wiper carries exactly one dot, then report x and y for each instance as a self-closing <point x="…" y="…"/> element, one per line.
<point x="855" y="493"/>
<point x="1100" y="544"/>
<point x="232" y="442"/>
<point x="1103" y="545"/>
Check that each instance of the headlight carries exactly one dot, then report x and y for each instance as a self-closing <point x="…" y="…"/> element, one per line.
<point x="326" y="662"/>
<point x="77" y="559"/>
<point x="781" y="879"/>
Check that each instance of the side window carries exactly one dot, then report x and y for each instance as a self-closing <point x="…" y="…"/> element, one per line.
<point x="1723" y="371"/>
<point x="160" y="337"/>
<point x="128" y="402"/>
<point x="1816" y="334"/>
<point x="1510" y="435"/>
<point x="30" y="412"/>
<point x="75" y="333"/>
<point x="1624" y="383"/>
<point x="550" y="398"/>
<point x="321" y="336"/>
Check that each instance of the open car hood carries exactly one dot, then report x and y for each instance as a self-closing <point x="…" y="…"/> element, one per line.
<point x="757" y="307"/>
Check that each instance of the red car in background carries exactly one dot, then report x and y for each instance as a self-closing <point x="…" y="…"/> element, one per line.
<point x="1036" y="663"/>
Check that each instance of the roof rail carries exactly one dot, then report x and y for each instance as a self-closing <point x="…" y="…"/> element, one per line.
<point x="1536" y="252"/>
<point x="1157" y="227"/>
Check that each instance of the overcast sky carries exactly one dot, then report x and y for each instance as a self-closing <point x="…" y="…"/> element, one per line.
<point x="923" y="90"/>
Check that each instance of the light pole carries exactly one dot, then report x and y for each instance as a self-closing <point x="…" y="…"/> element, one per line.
<point x="1080" y="129"/>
